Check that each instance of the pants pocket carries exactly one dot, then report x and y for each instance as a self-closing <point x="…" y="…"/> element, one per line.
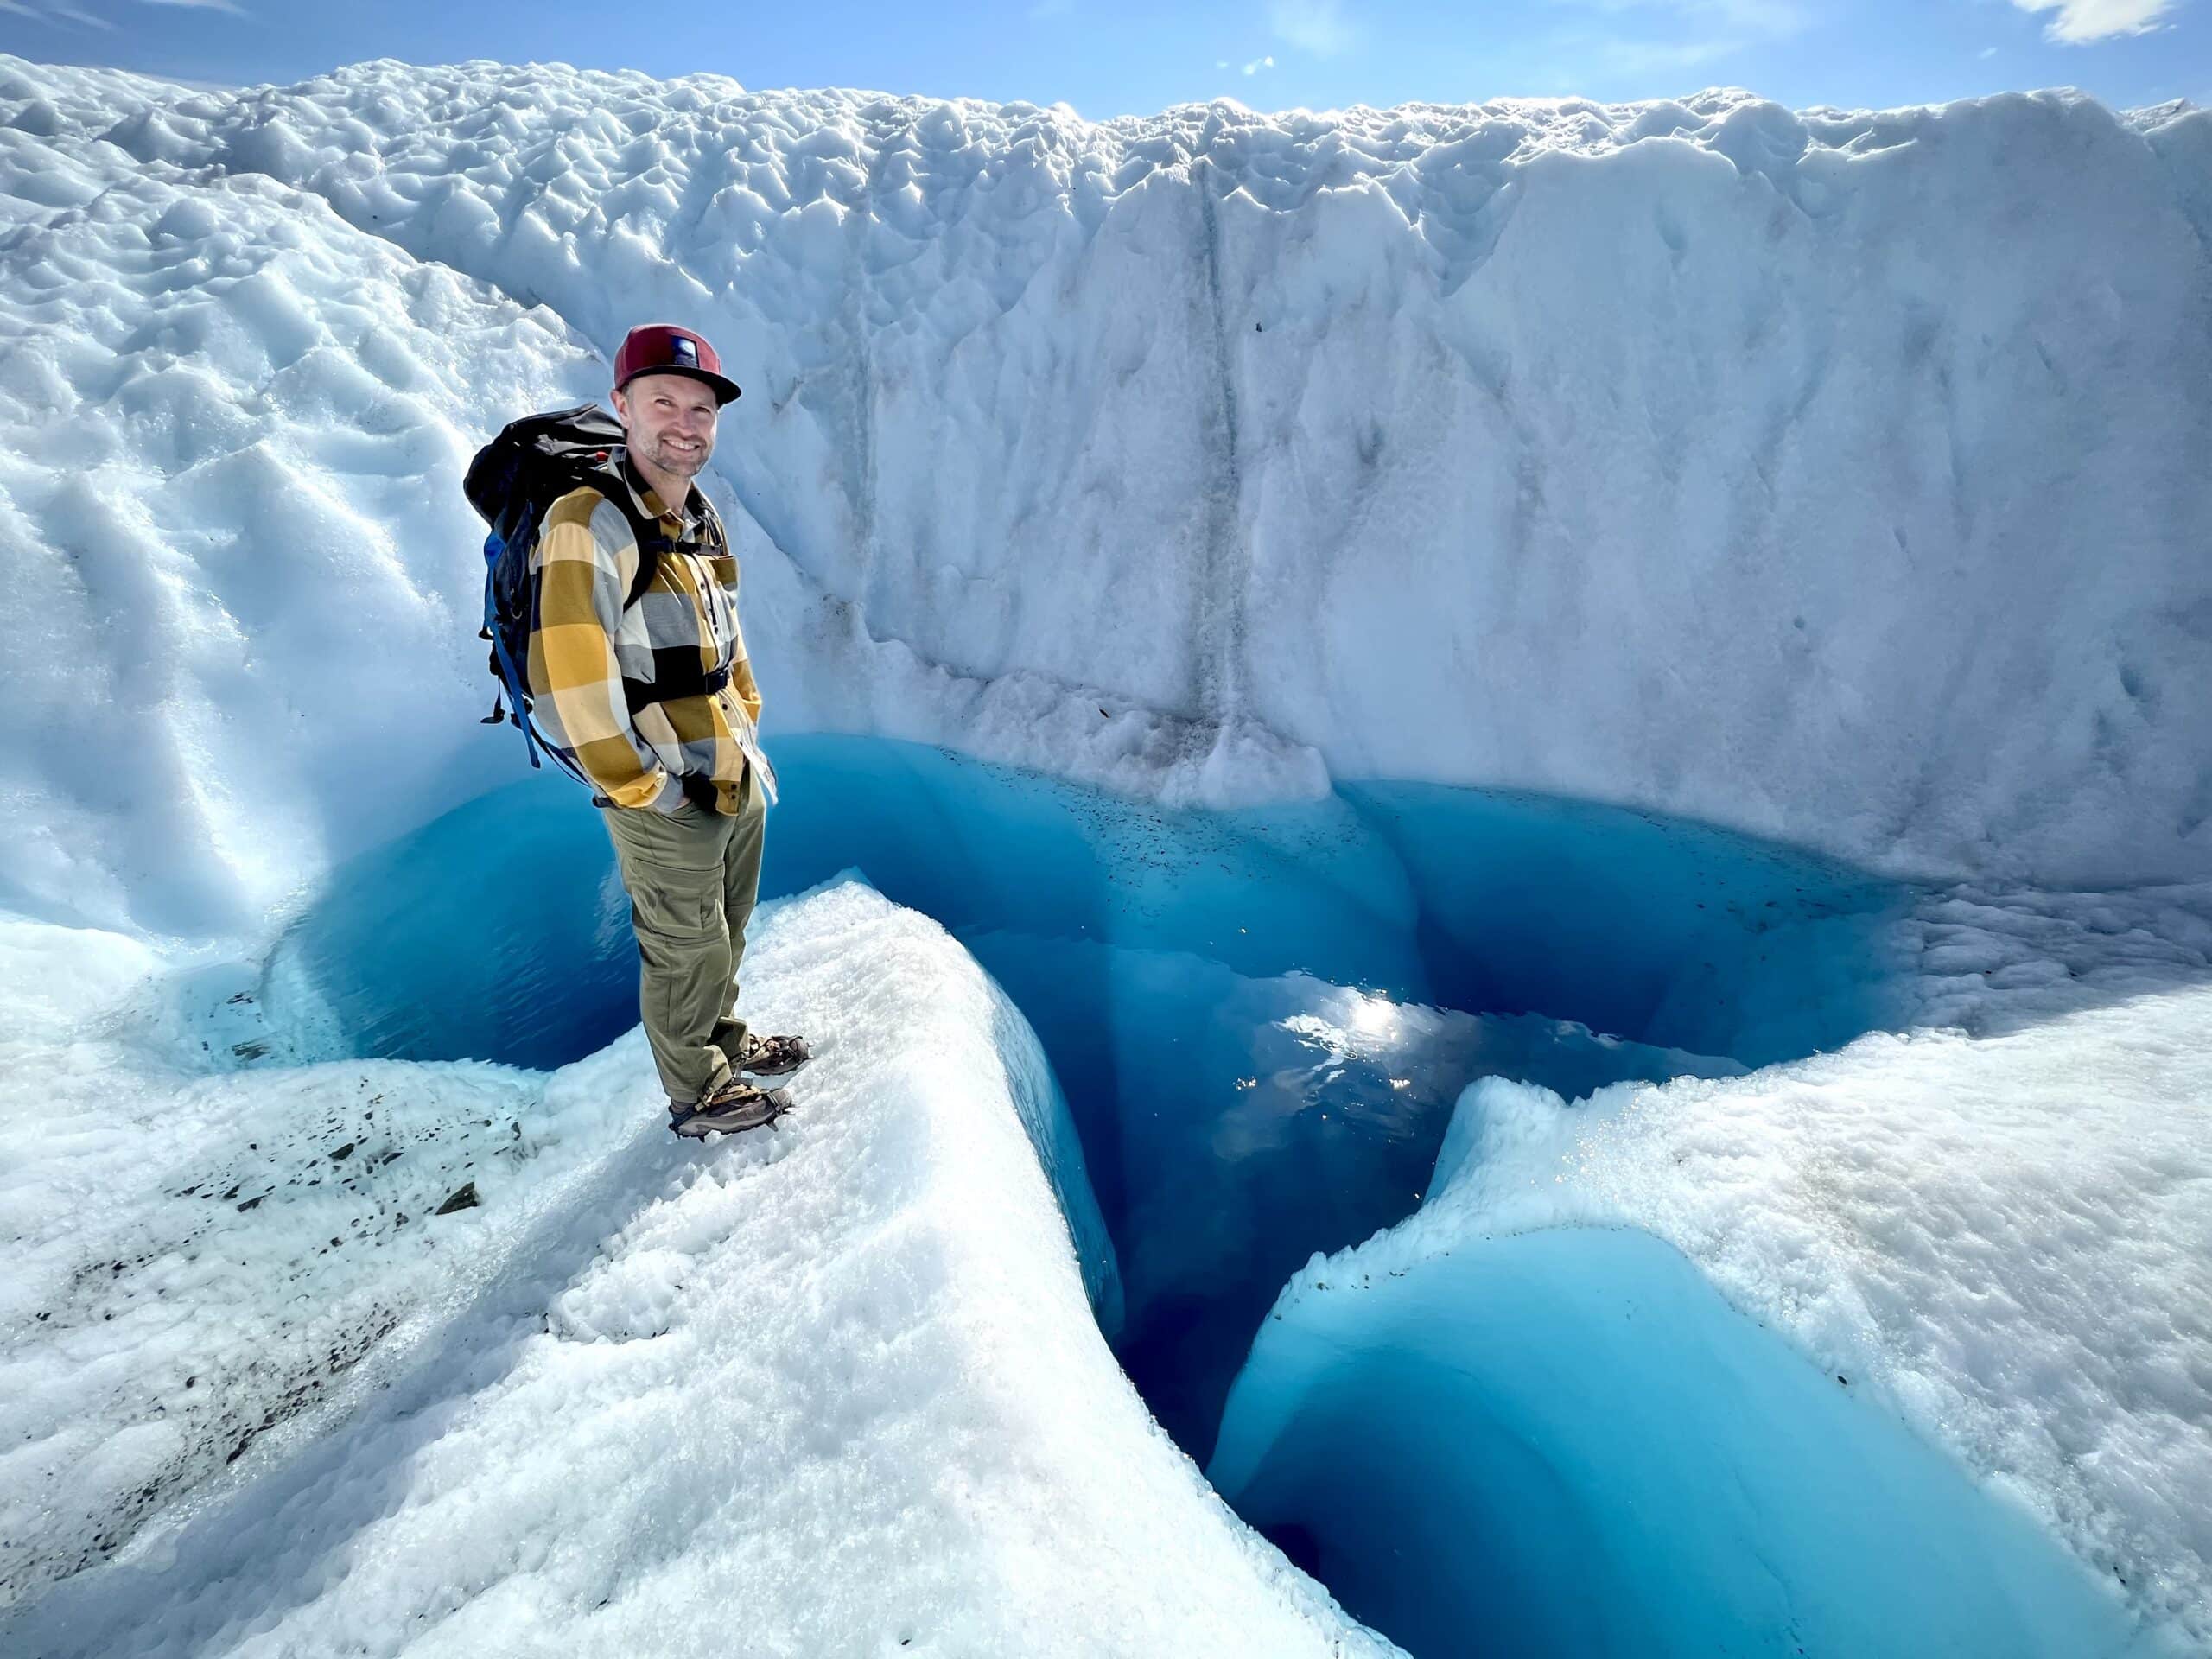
<point x="673" y="901"/>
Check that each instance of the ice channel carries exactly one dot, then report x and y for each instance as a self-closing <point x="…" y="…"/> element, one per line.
<point x="1261" y="1022"/>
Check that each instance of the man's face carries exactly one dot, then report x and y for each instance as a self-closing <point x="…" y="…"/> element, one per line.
<point x="670" y="420"/>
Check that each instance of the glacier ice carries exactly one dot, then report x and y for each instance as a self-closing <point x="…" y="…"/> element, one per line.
<point x="1834" y="476"/>
<point x="835" y="1390"/>
<point x="222" y="404"/>
<point x="2000" y="1241"/>
<point x="203" y="1254"/>
<point x="1694" y="456"/>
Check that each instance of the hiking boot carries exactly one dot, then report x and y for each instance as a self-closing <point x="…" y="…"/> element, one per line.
<point x="735" y="1106"/>
<point x="770" y="1056"/>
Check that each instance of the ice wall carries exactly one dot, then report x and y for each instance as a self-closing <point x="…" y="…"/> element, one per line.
<point x="1836" y="476"/>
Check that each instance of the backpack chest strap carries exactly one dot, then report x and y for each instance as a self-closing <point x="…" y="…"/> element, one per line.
<point x="671" y="688"/>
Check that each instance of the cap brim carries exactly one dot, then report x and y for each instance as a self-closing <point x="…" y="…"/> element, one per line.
<point x="727" y="390"/>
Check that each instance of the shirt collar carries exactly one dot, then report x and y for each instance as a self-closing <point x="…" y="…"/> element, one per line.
<point x="648" y="499"/>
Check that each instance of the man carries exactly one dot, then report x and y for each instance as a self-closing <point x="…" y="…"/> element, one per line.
<point x="655" y="703"/>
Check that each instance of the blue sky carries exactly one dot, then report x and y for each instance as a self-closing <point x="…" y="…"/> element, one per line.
<point x="1135" y="58"/>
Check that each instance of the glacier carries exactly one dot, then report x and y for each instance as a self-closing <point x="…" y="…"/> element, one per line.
<point x="1458" y="476"/>
<point x="1243" y="1005"/>
<point x="807" y="1394"/>
<point x="1951" y="1227"/>
<point x="1699" y="456"/>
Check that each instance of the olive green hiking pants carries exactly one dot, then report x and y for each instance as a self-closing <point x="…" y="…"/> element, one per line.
<point x="692" y="876"/>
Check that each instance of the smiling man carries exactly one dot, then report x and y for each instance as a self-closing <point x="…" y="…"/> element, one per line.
<point x="639" y="674"/>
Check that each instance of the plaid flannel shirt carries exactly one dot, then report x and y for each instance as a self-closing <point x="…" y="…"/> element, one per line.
<point x="584" y="643"/>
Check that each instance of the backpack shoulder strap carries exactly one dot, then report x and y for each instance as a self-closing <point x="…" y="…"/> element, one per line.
<point x="605" y="480"/>
<point x="648" y="567"/>
<point x="651" y="541"/>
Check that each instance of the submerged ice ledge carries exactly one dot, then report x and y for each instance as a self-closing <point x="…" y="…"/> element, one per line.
<point x="836" y="1389"/>
<point x="1995" y="1247"/>
<point x="1563" y="1442"/>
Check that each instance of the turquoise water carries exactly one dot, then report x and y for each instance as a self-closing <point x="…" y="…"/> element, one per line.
<point x="497" y="931"/>
<point x="1251" y="1029"/>
<point x="1187" y="973"/>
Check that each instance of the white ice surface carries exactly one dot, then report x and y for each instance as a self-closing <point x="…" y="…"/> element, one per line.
<point x="1838" y="476"/>
<point x="234" y="429"/>
<point x="2005" y="1238"/>
<point x="833" y="1390"/>
<point x="1835" y="475"/>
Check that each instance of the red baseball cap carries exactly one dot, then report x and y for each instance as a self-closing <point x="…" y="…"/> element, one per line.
<point x="664" y="348"/>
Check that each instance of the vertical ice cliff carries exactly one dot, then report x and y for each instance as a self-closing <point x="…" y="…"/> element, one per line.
<point x="1836" y="476"/>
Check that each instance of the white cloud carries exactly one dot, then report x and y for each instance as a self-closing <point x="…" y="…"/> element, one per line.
<point x="1987" y="54"/>
<point x="1655" y="57"/>
<point x="1315" y="26"/>
<point x="68" y="11"/>
<point x="1258" y="64"/>
<point x="1669" y="37"/>
<point x="55" y="11"/>
<point x="2079" y="22"/>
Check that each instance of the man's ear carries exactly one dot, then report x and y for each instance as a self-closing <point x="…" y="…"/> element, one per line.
<point x="621" y="407"/>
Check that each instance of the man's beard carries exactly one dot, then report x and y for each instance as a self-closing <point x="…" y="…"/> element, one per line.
<point x="676" y="462"/>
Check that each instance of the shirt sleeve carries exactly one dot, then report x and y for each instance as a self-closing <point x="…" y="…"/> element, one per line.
<point x="582" y="580"/>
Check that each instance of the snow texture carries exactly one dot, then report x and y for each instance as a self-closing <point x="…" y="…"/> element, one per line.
<point x="629" y="1403"/>
<point x="1834" y="476"/>
<point x="235" y="429"/>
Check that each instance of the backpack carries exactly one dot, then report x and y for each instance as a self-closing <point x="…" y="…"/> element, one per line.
<point x="512" y="481"/>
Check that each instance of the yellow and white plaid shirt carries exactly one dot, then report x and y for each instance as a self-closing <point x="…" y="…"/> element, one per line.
<point x="586" y="645"/>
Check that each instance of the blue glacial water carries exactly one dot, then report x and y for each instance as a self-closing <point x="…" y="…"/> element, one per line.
<point x="1258" y="1022"/>
<point x="1259" y="1019"/>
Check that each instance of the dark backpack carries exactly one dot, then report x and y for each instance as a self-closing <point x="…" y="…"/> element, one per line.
<point x="512" y="481"/>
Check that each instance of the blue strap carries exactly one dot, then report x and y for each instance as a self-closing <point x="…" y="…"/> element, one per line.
<point x="508" y="677"/>
<point x="511" y="672"/>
